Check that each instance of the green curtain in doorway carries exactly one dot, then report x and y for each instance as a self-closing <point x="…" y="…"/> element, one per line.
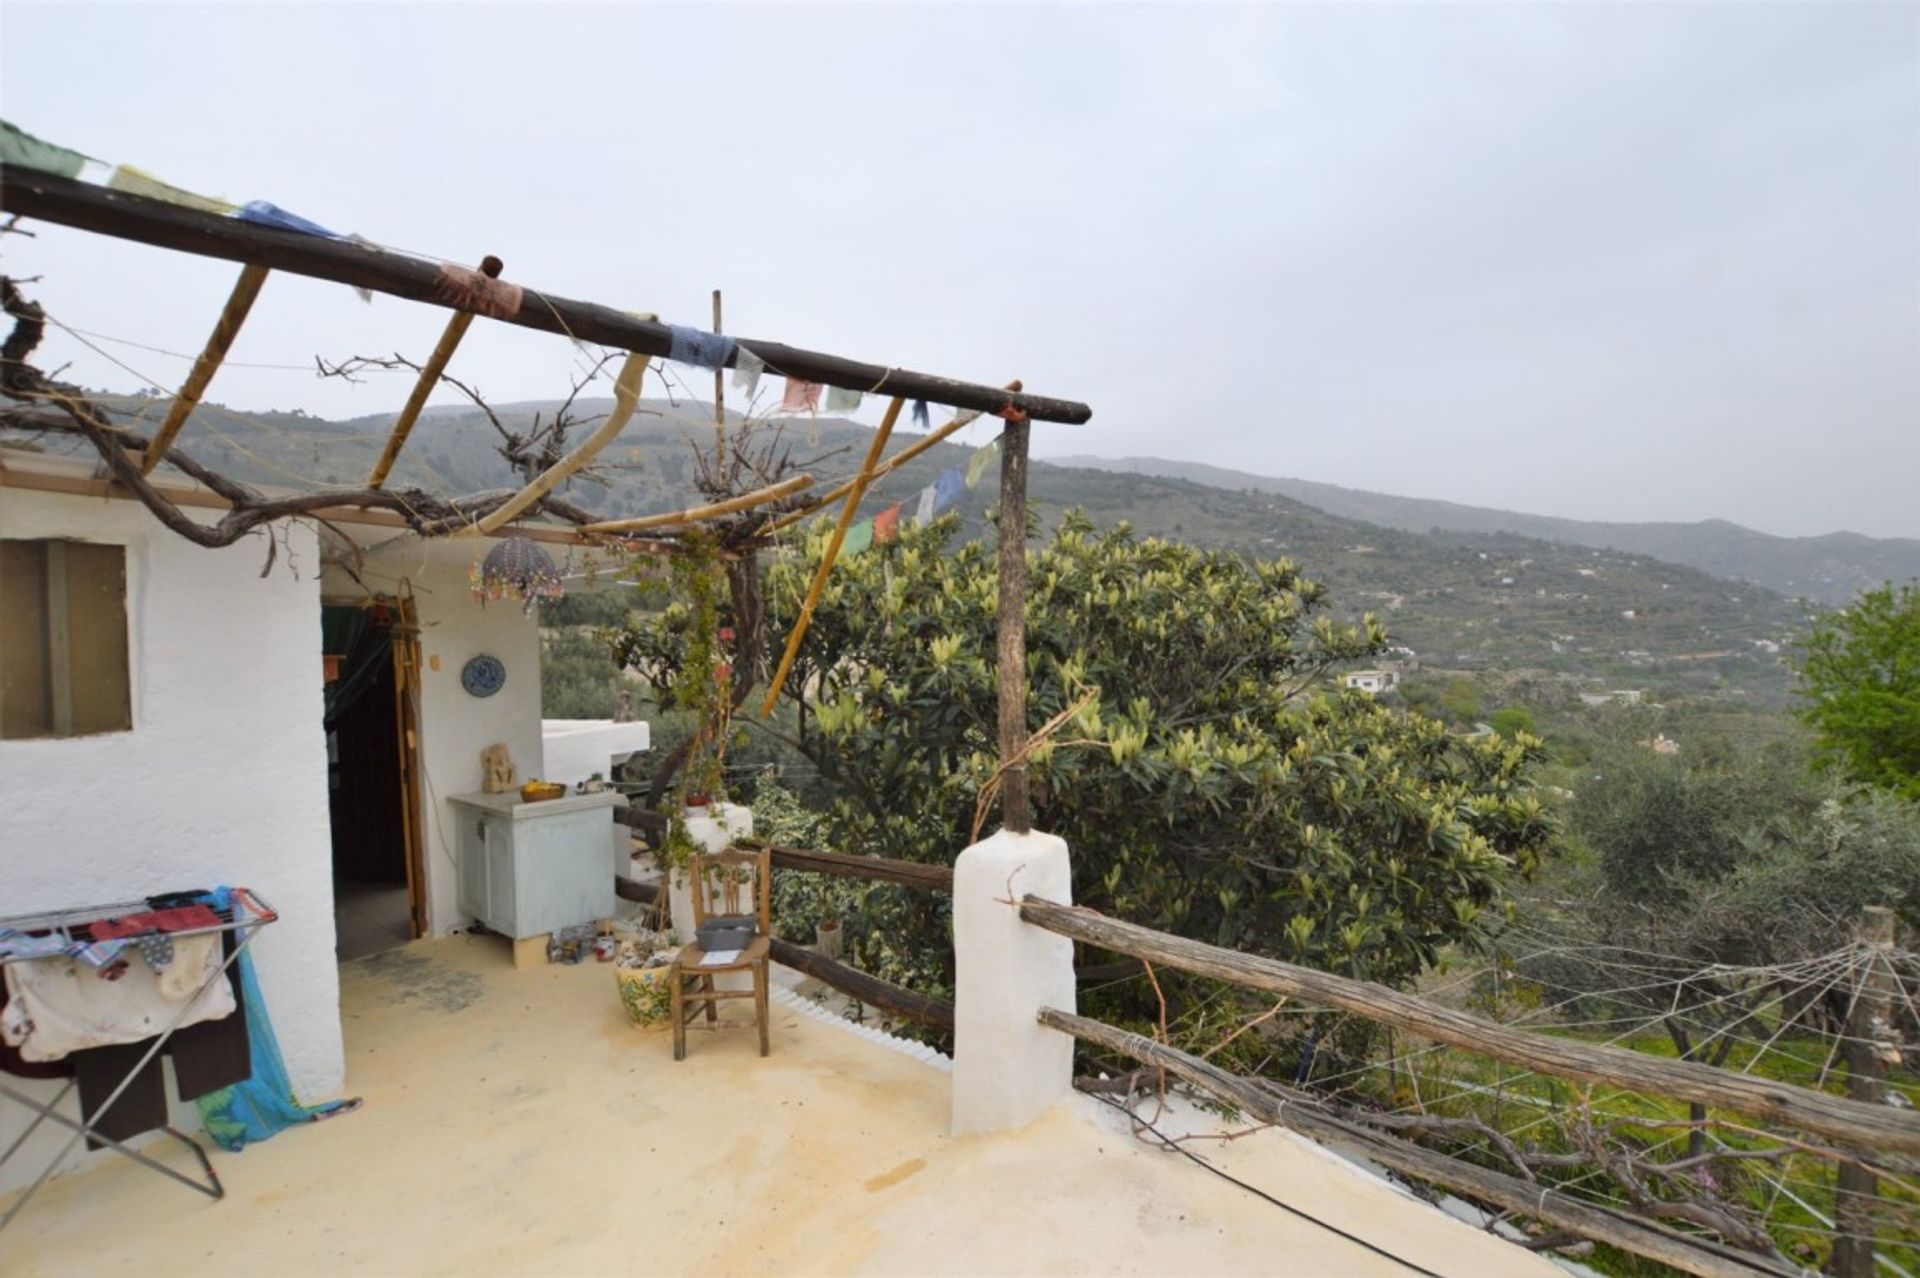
<point x="361" y="646"/>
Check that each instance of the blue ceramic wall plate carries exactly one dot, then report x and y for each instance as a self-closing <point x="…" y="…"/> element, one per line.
<point x="483" y="676"/>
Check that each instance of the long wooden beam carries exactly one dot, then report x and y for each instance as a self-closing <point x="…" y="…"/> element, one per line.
<point x="696" y="514"/>
<point x="1878" y="1127"/>
<point x="86" y="207"/>
<point x="1700" y="1256"/>
<point x="913" y="874"/>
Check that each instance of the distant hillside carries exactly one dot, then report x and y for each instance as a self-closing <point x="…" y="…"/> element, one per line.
<point x="1830" y="569"/>
<point x="1475" y="599"/>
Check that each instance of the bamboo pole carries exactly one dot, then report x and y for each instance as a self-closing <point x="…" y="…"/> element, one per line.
<point x="232" y="316"/>
<point x="858" y="491"/>
<point x="1855" y="1188"/>
<point x="1878" y="1127"/>
<point x="1016" y="812"/>
<point x="430" y="372"/>
<point x="886" y="468"/>
<point x="626" y="398"/>
<point x="694" y="514"/>
<point x="1700" y="1256"/>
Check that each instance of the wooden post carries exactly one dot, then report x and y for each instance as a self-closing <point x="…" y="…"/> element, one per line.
<point x="232" y="316"/>
<point x="430" y="372"/>
<point x="1856" y="1188"/>
<point x="719" y="399"/>
<point x="1015" y="810"/>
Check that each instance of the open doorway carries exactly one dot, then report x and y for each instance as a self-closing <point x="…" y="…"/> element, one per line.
<point x="372" y="662"/>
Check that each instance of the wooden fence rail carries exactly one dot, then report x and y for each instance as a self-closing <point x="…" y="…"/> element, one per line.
<point x="1871" y="1126"/>
<point x="1692" y="1255"/>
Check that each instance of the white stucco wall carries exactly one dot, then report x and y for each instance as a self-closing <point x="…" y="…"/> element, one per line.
<point x="455" y="727"/>
<point x="223" y="778"/>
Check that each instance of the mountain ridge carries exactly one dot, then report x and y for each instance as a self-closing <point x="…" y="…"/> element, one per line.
<point x="1829" y="568"/>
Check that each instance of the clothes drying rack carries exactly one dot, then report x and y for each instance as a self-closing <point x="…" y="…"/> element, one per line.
<point x="247" y="915"/>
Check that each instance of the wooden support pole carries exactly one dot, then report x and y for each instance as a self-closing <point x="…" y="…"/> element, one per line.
<point x="921" y="1009"/>
<point x="1691" y="1255"/>
<point x="1855" y="1187"/>
<point x="719" y="398"/>
<point x="1015" y="810"/>
<point x="33" y="194"/>
<point x="695" y="514"/>
<point x="430" y="372"/>
<point x="886" y="468"/>
<point x="1878" y="1127"/>
<point x="854" y="495"/>
<point x="232" y="316"/>
<point x="626" y="398"/>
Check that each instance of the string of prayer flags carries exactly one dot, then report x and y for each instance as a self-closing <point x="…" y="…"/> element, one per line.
<point x="131" y="181"/>
<point x="17" y="146"/>
<point x="800" y="397"/>
<point x="886" y="524"/>
<point x="262" y="213"/>
<point x="982" y="459"/>
<point x="923" y="513"/>
<point x="841" y="400"/>
<point x="859" y="538"/>
<point x="921" y="417"/>
<point x="747" y="368"/>
<point x="948" y="489"/>
<point x="698" y="347"/>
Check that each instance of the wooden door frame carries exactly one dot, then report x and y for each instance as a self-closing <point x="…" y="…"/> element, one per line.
<point x="405" y="642"/>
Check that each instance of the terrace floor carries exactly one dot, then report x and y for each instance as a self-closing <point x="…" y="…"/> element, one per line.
<point x="516" y="1124"/>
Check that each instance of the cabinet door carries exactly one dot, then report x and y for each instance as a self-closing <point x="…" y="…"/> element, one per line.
<point x="470" y="837"/>
<point x="503" y="914"/>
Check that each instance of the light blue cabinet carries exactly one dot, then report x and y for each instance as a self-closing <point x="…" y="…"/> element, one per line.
<point x="527" y="869"/>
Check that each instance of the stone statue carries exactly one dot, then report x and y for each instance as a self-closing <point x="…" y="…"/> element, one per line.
<point x="497" y="773"/>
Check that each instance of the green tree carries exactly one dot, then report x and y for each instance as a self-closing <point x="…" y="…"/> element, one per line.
<point x="1203" y="788"/>
<point x="1511" y="721"/>
<point x="1860" y="675"/>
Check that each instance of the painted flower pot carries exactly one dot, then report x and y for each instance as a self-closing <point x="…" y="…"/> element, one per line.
<point x="646" y="994"/>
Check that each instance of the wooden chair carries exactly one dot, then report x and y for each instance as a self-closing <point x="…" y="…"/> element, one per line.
<point x="720" y="887"/>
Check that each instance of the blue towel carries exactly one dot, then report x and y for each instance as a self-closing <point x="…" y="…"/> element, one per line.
<point x="698" y="346"/>
<point x="261" y="213"/>
<point x="263" y="1105"/>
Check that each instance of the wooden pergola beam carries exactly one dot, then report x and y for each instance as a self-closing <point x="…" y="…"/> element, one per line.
<point x="200" y="376"/>
<point x="429" y="378"/>
<point x="698" y="514"/>
<point x="33" y="194"/>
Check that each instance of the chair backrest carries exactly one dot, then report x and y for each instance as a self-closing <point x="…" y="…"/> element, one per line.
<point x="737" y="881"/>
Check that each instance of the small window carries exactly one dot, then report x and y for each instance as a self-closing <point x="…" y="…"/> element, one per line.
<point x="63" y="639"/>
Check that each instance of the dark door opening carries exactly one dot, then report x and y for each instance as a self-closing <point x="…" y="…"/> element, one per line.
<point x="370" y="742"/>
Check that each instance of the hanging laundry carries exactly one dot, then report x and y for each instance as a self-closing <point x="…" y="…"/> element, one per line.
<point x="56" y="1007"/>
<point x="800" y="397"/>
<point x="949" y="489"/>
<point x="921" y="417"/>
<point x="698" y="347"/>
<point x="859" y="537"/>
<point x="131" y="181"/>
<point x="886" y="524"/>
<point x="20" y="945"/>
<point x="747" y="368"/>
<point x="982" y="459"/>
<point x="17" y="146"/>
<point x="263" y="213"/>
<point x="842" y="400"/>
<point x="923" y="512"/>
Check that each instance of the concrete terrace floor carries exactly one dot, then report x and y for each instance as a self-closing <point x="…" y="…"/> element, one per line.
<point x="516" y="1124"/>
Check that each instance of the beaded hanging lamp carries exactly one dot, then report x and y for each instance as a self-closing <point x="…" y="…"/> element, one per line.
<point x="516" y="568"/>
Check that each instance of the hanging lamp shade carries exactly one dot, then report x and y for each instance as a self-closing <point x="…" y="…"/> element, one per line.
<point x="517" y="568"/>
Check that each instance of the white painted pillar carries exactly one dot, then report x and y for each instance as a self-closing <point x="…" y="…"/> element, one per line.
<point x="1007" y="1067"/>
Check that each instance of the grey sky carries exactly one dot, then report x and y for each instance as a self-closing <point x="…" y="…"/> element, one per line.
<point x="1626" y="261"/>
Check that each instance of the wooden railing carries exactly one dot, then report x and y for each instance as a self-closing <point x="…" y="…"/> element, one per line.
<point x="1873" y="1127"/>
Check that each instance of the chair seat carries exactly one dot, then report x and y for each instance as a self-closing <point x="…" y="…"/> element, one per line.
<point x="688" y="960"/>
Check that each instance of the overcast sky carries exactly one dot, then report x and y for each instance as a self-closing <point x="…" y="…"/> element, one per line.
<point x="1616" y="262"/>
